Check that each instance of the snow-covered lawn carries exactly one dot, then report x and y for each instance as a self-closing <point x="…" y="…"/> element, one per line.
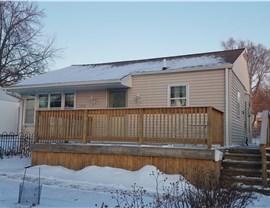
<point x="62" y="187"/>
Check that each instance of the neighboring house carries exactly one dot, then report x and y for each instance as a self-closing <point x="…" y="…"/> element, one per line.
<point x="9" y="113"/>
<point x="219" y="79"/>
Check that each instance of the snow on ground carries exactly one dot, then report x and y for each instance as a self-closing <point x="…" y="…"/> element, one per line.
<point x="62" y="187"/>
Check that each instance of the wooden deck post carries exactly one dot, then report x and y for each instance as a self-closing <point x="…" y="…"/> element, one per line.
<point x="209" y="127"/>
<point x="36" y="139"/>
<point x="264" y="164"/>
<point x="85" y="115"/>
<point x="140" y="132"/>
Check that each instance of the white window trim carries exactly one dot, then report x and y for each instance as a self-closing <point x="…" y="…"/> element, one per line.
<point x="24" y="111"/>
<point x="37" y="96"/>
<point x="49" y="101"/>
<point x="176" y="85"/>
<point x="108" y="91"/>
<point x="63" y="100"/>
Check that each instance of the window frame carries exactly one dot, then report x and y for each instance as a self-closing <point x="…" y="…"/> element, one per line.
<point x="64" y="100"/>
<point x="25" y="109"/>
<point x="169" y="94"/>
<point x="48" y="101"/>
<point x="61" y="101"/>
<point x="63" y="97"/>
<point x="117" y="91"/>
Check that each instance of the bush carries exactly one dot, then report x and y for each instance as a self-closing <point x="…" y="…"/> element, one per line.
<point x="206" y="192"/>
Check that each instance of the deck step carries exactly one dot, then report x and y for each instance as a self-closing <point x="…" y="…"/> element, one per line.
<point x="257" y="165"/>
<point x="247" y="150"/>
<point x="240" y="156"/>
<point x="242" y="172"/>
<point x="243" y="166"/>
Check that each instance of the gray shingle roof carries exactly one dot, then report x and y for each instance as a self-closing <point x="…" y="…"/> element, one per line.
<point x="118" y="70"/>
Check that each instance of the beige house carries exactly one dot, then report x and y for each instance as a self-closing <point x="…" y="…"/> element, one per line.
<point x="219" y="79"/>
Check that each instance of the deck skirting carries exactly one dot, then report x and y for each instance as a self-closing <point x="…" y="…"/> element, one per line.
<point x="169" y="160"/>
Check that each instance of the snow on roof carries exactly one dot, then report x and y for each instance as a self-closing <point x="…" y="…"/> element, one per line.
<point x="118" y="70"/>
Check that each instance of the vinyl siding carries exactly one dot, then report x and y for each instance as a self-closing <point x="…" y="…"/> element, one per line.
<point x="85" y="99"/>
<point x="237" y="122"/>
<point x="241" y="71"/>
<point x="206" y="88"/>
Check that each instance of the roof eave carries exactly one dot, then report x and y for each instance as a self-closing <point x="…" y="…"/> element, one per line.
<point x="74" y="85"/>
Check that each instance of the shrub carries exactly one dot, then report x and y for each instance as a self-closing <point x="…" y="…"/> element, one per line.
<point x="206" y="192"/>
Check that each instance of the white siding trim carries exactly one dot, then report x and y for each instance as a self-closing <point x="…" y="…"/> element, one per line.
<point x="174" y="85"/>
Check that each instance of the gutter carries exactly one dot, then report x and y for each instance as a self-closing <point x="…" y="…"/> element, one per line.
<point x="64" y="84"/>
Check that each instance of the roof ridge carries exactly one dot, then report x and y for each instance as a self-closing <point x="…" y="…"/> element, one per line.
<point x="164" y="57"/>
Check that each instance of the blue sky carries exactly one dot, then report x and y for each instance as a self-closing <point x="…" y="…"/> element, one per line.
<point x="97" y="32"/>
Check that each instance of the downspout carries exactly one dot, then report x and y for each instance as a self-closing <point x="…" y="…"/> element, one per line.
<point x="227" y="141"/>
<point x="21" y="117"/>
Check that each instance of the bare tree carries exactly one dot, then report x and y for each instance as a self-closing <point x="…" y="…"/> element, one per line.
<point x="258" y="60"/>
<point x="23" y="50"/>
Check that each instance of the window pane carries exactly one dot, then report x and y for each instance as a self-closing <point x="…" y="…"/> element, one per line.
<point x="30" y="102"/>
<point x="69" y="100"/>
<point x="238" y="103"/>
<point x="178" y="92"/>
<point x="29" y="116"/>
<point x="29" y="110"/>
<point x="43" y="101"/>
<point x="55" y="101"/>
<point x="117" y="99"/>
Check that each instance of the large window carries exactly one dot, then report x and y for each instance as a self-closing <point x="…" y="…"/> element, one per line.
<point x="117" y="98"/>
<point x="29" y="110"/>
<point x="56" y="100"/>
<point x="178" y="95"/>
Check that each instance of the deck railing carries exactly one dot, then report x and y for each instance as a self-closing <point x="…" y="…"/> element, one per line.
<point x="265" y="142"/>
<point x="188" y="125"/>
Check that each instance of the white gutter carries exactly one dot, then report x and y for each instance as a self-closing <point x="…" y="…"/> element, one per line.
<point x="227" y="141"/>
<point x="64" y="84"/>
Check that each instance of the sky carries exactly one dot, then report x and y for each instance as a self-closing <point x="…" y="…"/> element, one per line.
<point x="91" y="32"/>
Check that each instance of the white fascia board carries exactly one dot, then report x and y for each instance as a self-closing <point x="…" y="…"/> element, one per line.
<point x="66" y="84"/>
<point x="188" y="69"/>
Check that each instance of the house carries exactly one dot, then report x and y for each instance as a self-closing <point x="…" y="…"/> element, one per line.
<point x="219" y="79"/>
<point x="9" y="113"/>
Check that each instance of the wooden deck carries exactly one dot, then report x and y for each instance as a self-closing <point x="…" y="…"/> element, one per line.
<point x="169" y="160"/>
<point x="188" y="125"/>
<point x="130" y="138"/>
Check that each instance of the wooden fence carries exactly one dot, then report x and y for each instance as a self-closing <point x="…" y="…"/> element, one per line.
<point x="189" y="125"/>
<point x="265" y="142"/>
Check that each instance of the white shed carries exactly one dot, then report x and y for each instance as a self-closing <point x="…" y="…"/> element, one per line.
<point x="9" y="113"/>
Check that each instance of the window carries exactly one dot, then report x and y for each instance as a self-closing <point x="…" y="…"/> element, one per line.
<point x="117" y="98"/>
<point x="43" y="101"/>
<point x="55" y="101"/>
<point x="29" y="110"/>
<point x="238" y="103"/>
<point x="69" y="100"/>
<point x="178" y="95"/>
